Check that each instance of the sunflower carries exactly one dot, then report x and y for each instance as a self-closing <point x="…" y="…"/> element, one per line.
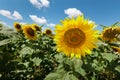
<point x="29" y="32"/>
<point x="117" y="31"/>
<point x="36" y="27"/>
<point x="109" y="34"/>
<point x="116" y="49"/>
<point x="17" y="26"/>
<point x="48" y="31"/>
<point x="75" y="37"/>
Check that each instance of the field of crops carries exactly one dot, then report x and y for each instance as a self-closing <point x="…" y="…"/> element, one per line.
<point x="75" y="51"/>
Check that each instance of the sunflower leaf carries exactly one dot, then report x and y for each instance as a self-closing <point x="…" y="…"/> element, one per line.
<point x="3" y="42"/>
<point x="56" y="75"/>
<point x="69" y="76"/>
<point x="78" y="68"/>
<point x="37" y="61"/>
<point x="109" y="56"/>
<point x="25" y="51"/>
<point x="116" y="24"/>
<point x="117" y="68"/>
<point x="53" y="76"/>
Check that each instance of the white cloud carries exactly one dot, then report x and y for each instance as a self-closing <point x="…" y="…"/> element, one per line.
<point x="89" y="22"/>
<point x="50" y="25"/>
<point x="22" y="23"/>
<point x="6" y="13"/>
<point x="15" y="16"/>
<point x="2" y="22"/>
<point x="40" y="3"/>
<point x="45" y="3"/>
<point x="72" y="12"/>
<point x="38" y="20"/>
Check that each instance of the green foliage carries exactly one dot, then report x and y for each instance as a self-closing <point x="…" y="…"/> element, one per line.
<point x="117" y="24"/>
<point x="102" y="64"/>
<point x="22" y="59"/>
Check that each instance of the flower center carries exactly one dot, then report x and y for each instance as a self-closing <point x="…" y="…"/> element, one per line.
<point x="37" y="28"/>
<point x="74" y="37"/>
<point x="18" y="26"/>
<point x="31" y="32"/>
<point x="48" y="32"/>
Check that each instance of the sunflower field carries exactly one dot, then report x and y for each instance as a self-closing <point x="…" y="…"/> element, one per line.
<point x="74" y="51"/>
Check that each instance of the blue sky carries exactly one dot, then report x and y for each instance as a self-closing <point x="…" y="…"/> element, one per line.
<point x="50" y="12"/>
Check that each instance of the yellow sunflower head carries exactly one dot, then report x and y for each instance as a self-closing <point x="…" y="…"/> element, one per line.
<point x="75" y="37"/>
<point x="109" y="34"/>
<point x="29" y="32"/>
<point x="48" y="31"/>
<point x="117" y="30"/>
<point x="17" y="26"/>
<point x="37" y="28"/>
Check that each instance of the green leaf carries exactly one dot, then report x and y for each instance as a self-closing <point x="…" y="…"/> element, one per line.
<point x="78" y="66"/>
<point x="59" y="76"/>
<point x="56" y="75"/>
<point x="53" y="76"/>
<point x="103" y="26"/>
<point x="82" y="72"/>
<point x="69" y="76"/>
<point x="78" y="62"/>
<point x="118" y="68"/>
<point x="59" y="57"/>
<point x="7" y="31"/>
<point x="93" y="78"/>
<point x="3" y="42"/>
<point x="116" y="24"/>
<point x="22" y="65"/>
<point x="25" y="51"/>
<point x="109" y="56"/>
<point x="37" y="61"/>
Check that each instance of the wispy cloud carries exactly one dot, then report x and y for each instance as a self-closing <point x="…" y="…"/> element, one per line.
<point x="38" y="20"/>
<point x="40" y="3"/>
<point x="15" y="16"/>
<point x="22" y="23"/>
<point x="51" y="25"/>
<point x="72" y="12"/>
<point x="4" y="23"/>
